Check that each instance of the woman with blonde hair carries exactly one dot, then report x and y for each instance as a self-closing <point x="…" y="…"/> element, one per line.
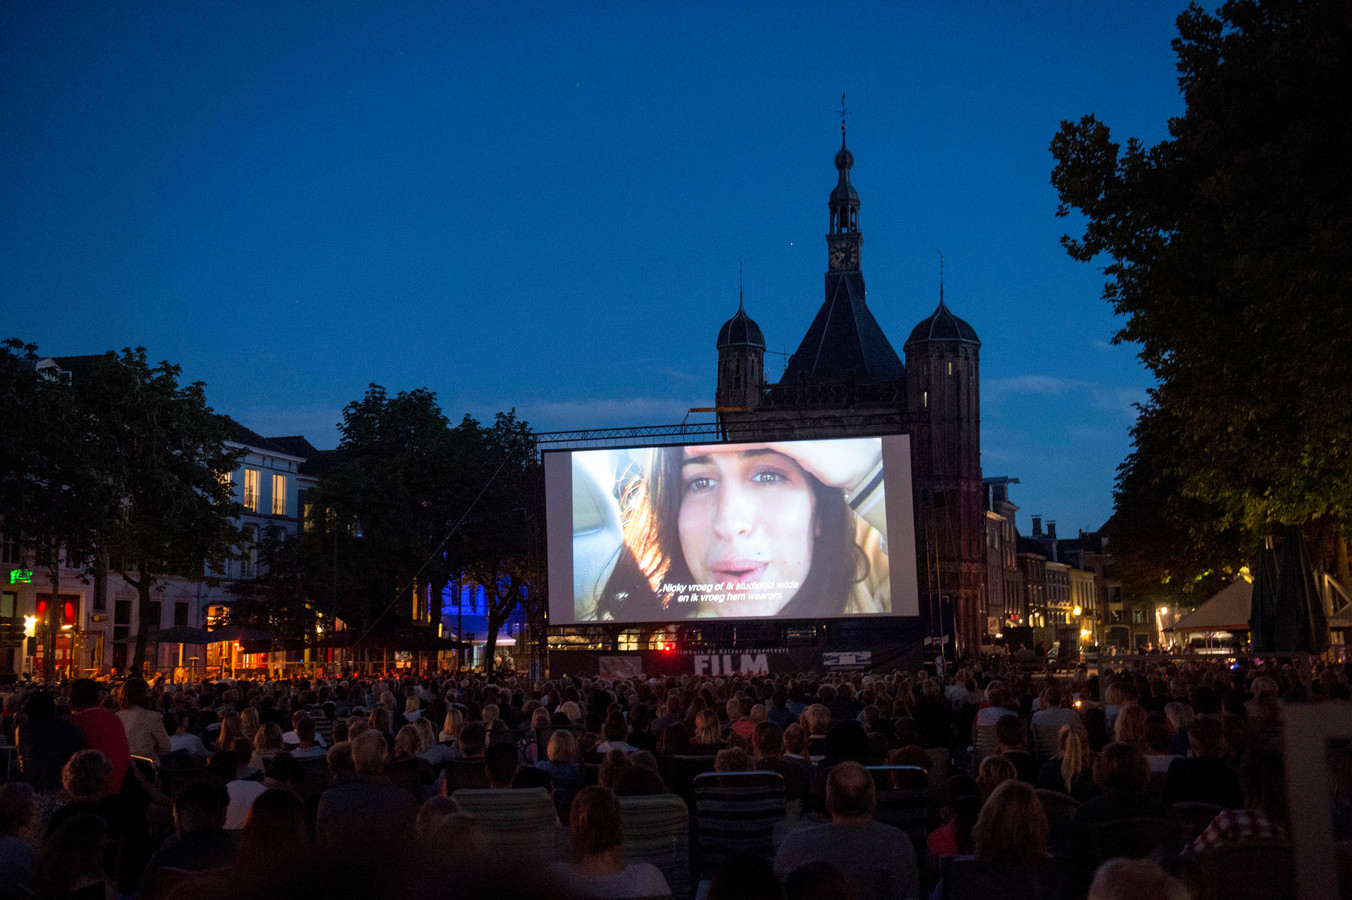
<point x="267" y="744"/>
<point x="574" y="712"/>
<point x="231" y="730"/>
<point x="451" y="726"/>
<point x="1070" y="772"/>
<point x="493" y="724"/>
<point x="1129" y="727"/>
<point x="707" y="729"/>
<point x="248" y="723"/>
<point x="993" y="772"/>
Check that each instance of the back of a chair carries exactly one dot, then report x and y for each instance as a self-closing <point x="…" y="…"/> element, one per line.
<point x="518" y="823"/>
<point x="1046" y="741"/>
<point x="964" y="878"/>
<point x="465" y="774"/>
<point x="983" y="746"/>
<point x="1060" y="809"/>
<point x="1195" y="816"/>
<point x="1249" y="870"/>
<point x="938" y="771"/>
<point x="1135" y="838"/>
<point x="736" y="812"/>
<point x="681" y="771"/>
<point x="905" y="808"/>
<point x="657" y="831"/>
<point x="317" y="775"/>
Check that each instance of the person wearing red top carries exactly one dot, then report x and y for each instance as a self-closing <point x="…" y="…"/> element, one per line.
<point x="102" y="730"/>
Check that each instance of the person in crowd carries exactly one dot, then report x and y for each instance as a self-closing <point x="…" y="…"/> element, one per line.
<point x="1204" y="776"/>
<point x="366" y="812"/>
<point x="596" y="832"/>
<point x="1134" y="879"/>
<point x="102" y="730"/>
<point x="146" y="734"/>
<point x="767" y="749"/>
<point x="993" y="771"/>
<point x="615" y="730"/>
<point x="274" y="836"/>
<point x="708" y="732"/>
<point x="817" y="881"/>
<point x="959" y="805"/>
<point x="18" y="862"/>
<point x="44" y="743"/>
<point x="878" y="860"/>
<point x="199" y="842"/>
<point x="500" y="764"/>
<point x="1011" y="742"/>
<point x="85" y="778"/>
<point x="744" y="876"/>
<point x="1121" y="774"/>
<point x="450" y="729"/>
<point x="307" y="744"/>
<point x="1264" y="815"/>
<point x="231" y="729"/>
<point x="1070" y="772"/>
<point x="249" y="722"/>
<point x="561" y="762"/>
<point x="70" y="866"/>
<point x="182" y="740"/>
<point x="267" y="743"/>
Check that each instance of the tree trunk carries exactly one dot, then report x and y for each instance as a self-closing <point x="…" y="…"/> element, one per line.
<point x="143" y="627"/>
<point x="53" y="624"/>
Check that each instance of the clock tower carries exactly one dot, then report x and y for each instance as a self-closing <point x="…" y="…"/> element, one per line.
<point x="843" y="240"/>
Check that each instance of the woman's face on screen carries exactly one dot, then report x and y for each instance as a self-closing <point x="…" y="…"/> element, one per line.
<point x="747" y="517"/>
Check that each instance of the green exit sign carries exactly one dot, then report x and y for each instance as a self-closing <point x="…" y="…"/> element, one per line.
<point x="20" y="576"/>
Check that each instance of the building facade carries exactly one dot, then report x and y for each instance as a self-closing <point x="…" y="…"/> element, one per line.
<point x="846" y="378"/>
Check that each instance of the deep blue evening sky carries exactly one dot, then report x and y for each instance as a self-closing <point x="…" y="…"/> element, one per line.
<point x="544" y="205"/>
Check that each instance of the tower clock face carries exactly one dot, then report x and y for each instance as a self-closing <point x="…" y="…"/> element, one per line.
<point x="844" y="255"/>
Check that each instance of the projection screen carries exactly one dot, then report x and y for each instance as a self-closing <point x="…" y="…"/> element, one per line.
<point x="791" y="529"/>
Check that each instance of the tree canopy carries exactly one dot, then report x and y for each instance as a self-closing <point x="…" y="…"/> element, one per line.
<point x="1230" y="258"/>
<point x="413" y="500"/>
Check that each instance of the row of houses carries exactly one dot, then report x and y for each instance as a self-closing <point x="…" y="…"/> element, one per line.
<point x="98" y="616"/>
<point x="1062" y="589"/>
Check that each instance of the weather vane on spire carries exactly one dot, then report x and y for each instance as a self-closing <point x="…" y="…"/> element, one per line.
<point x="739" y="283"/>
<point x="941" y="276"/>
<point x="843" y="113"/>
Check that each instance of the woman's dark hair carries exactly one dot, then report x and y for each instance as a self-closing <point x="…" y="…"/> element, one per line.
<point x="594" y="821"/>
<point x="74" y="851"/>
<point x="1121" y="768"/>
<point x="135" y="692"/>
<point x="652" y="547"/>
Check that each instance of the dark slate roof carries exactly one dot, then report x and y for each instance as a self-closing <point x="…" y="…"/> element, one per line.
<point x="844" y="340"/>
<point x="250" y="438"/>
<point x="78" y="366"/>
<point x="942" y="325"/>
<point x="740" y="330"/>
<point x="1029" y="545"/>
<point x="319" y="462"/>
<point x="296" y="445"/>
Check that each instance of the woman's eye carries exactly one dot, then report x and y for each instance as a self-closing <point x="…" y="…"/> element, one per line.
<point x="769" y="476"/>
<point x="699" y="485"/>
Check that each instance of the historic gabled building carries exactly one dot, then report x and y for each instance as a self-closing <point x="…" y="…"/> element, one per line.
<point x="846" y="378"/>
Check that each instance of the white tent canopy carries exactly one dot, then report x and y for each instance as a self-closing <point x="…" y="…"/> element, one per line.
<point x="1227" y="611"/>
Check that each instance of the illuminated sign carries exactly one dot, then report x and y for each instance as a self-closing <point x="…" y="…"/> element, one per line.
<point x="20" y="576"/>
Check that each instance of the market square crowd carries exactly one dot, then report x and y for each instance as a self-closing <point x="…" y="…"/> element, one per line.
<point x="346" y="787"/>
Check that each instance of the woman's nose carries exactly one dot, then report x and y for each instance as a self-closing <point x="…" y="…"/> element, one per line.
<point x="735" y="513"/>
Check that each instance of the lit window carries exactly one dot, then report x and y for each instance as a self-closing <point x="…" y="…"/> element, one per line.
<point x="252" y="483"/>
<point x="924" y="399"/>
<point x="278" y="494"/>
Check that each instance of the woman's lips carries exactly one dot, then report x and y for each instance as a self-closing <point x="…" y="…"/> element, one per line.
<point x="738" y="570"/>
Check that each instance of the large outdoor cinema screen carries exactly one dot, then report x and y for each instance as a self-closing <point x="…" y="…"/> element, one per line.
<point x="793" y="529"/>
